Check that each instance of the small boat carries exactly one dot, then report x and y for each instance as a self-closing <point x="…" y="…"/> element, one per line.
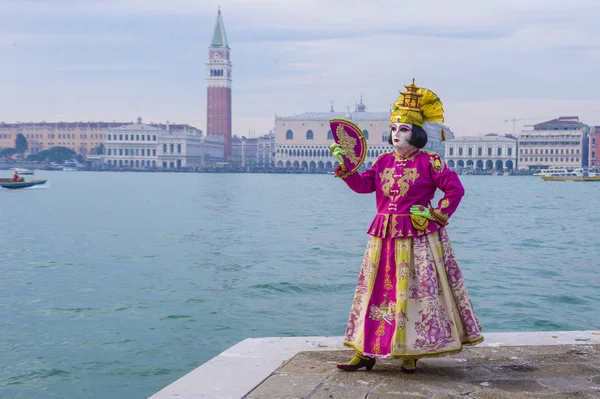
<point x="70" y="166"/>
<point x="12" y="184"/>
<point x="23" y="171"/>
<point x="581" y="174"/>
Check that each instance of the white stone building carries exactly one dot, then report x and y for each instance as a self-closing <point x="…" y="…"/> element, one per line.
<point x="211" y="150"/>
<point x="254" y="153"/>
<point x="482" y="152"/>
<point x="177" y="150"/>
<point x="154" y="146"/>
<point x="302" y="141"/>
<point x="132" y="146"/>
<point x="561" y="142"/>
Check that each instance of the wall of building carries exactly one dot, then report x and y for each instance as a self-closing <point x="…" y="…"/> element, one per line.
<point x="562" y="142"/>
<point x="82" y="137"/>
<point x="482" y="152"/>
<point x="594" y="148"/>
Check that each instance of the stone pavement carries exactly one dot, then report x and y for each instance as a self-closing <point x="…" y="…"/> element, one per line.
<point x="553" y="371"/>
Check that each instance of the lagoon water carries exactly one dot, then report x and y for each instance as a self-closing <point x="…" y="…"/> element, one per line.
<point x="116" y="284"/>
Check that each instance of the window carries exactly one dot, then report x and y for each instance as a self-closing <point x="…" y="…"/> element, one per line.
<point x="509" y="151"/>
<point x="499" y="150"/>
<point x="329" y="135"/>
<point x="153" y="154"/>
<point x="172" y="148"/>
<point x="593" y="141"/>
<point x="480" y="151"/>
<point x="470" y="151"/>
<point x="154" y="137"/>
<point x="310" y="135"/>
<point x="120" y="137"/>
<point x="164" y="148"/>
<point x="489" y="150"/>
<point x="366" y="133"/>
<point x="179" y="148"/>
<point x="593" y="154"/>
<point x="451" y="151"/>
<point x="460" y="150"/>
<point x="289" y="135"/>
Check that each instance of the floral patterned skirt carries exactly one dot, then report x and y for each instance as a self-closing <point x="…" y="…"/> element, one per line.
<point x="411" y="300"/>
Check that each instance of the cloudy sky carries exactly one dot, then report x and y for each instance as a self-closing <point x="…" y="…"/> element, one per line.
<point x="104" y="60"/>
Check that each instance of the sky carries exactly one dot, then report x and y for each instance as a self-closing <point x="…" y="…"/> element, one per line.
<point x="489" y="61"/>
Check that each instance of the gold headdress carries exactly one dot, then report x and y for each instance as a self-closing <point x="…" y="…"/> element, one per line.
<point x="416" y="106"/>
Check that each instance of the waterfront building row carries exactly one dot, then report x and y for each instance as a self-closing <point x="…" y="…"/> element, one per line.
<point x="563" y="142"/>
<point x="84" y="138"/>
<point x="142" y="146"/>
<point x="122" y="145"/>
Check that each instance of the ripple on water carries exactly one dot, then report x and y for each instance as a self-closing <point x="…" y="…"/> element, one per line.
<point x="176" y="316"/>
<point x="33" y="376"/>
<point x="195" y="301"/>
<point x="566" y="300"/>
<point x="521" y="304"/>
<point x="296" y="288"/>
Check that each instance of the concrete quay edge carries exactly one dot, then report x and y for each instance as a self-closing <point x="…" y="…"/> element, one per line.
<point x="239" y="369"/>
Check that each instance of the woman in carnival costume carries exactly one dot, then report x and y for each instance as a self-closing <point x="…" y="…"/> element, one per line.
<point x="411" y="300"/>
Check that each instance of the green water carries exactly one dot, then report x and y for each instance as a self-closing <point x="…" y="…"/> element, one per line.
<point x="116" y="284"/>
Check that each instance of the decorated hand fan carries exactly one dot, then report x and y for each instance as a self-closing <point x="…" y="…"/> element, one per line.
<point x="352" y="140"/>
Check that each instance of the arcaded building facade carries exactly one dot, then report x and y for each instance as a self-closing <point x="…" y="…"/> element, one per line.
<point x="302" y="141"/>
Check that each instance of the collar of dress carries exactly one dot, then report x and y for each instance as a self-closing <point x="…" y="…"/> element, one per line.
<point x="409" y="155"/>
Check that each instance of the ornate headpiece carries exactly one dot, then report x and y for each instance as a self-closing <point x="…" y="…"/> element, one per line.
<point x="416" y="106"/>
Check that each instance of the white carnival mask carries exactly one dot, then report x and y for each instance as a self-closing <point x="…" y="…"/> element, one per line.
<point x="401" y="134"/>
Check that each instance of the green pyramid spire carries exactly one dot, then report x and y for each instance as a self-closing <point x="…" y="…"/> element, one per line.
<point x="219" y="38"/>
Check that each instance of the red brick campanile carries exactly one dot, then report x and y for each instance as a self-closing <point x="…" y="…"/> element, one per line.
<point x="218" y="86"/>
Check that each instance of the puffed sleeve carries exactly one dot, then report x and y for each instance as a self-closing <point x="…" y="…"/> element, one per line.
<point x="448" y="182"/>
<point x="362" y="183"/>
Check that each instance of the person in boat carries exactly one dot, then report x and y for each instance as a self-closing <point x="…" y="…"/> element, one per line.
<point x="16" y="177"/>
<point x="411" y="300"/>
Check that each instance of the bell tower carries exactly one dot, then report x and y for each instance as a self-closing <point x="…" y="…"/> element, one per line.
<point x="218" y="86"/>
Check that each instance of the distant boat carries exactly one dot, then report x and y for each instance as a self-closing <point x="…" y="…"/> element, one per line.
<point x="553" y="171"/>
<point x="70" y="166"/>
<point x="581" y="174"/>
<point x="12" y="184"/>
<point x="23" y="171"/>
